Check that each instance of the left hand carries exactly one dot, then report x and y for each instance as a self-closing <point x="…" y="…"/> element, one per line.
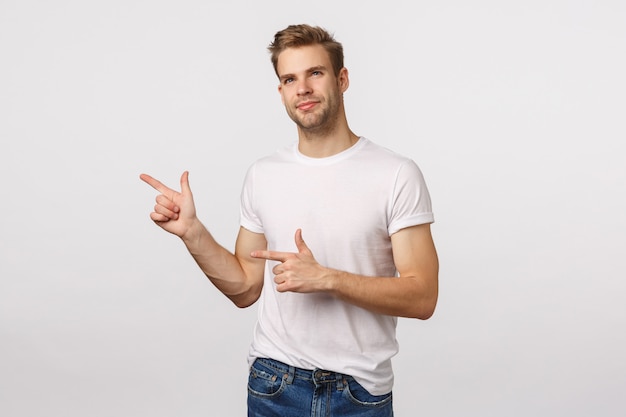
<point x="297" y="272"/>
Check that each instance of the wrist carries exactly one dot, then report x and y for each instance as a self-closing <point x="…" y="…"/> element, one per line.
<point x="194" y="233"/>
<point x="333" y="280"/>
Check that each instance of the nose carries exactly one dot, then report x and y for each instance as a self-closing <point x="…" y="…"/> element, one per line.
<point x="304" y="88"/>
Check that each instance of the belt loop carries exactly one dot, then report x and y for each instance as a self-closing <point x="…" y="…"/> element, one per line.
<point x="341" y="381"/>
<point x="290" y="375"/>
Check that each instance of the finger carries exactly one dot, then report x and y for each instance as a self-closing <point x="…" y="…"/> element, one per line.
<point x="168" y="210"/>
<point x="300" y="244"/>
<point x="277" y="270"/>
<point x="271" y="255"/>
<point x="184" y="183"/>
<point x="156" y="184"/>
<point x="279" y="283"/>
<point x="166" y="202"/>
<point x="159" y="218"/>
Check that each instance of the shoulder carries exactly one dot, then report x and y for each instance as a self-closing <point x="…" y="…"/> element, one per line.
<point x="272" y="165"/>
<point x="372" y="148"/>
<point x="382" y="156"/>
<point x="281" y="155"/>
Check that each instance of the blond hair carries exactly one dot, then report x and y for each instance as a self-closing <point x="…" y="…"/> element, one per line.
<point x="295" y="36"/>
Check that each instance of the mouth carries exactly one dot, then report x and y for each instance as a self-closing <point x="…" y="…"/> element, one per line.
<point x="307" y="105"/>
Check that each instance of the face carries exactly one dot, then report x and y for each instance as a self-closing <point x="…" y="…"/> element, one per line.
<point x="309" y="89"/>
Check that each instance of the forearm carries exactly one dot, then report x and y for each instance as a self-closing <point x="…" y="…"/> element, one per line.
<point x="404" y="296"/>
<point x="222" y="267"/>
<point x="412" y="294"/>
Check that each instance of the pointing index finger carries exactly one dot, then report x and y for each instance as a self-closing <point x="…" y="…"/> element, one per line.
<point x="270" y="255"/>
<point x="156" y="184"/>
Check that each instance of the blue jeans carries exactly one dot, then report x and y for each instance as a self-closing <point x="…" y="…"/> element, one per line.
<point x="280" y="390"/>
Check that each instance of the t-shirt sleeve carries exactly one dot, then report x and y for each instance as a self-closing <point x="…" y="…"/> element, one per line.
<point x="410" y="202"/>
<point x="248" y="217"/>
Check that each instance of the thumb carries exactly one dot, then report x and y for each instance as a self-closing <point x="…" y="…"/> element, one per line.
<point x="184" y="183"/>
<point x="300" y="244"/>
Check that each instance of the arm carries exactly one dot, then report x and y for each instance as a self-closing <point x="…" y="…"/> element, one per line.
<point x="412" y="294"/>
<point x="238" y="275"/>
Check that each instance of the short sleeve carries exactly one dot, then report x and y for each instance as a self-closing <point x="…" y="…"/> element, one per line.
<point x="248" y="217"/>
<point x="410" y="201"/>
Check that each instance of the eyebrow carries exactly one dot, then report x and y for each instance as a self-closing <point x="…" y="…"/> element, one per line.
<point x="308" y="70"/>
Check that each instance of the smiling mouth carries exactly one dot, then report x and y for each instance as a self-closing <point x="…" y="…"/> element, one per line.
<point x="306" y="105"/>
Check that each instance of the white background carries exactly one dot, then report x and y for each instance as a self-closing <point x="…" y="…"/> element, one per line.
<point x="515" y="111"/>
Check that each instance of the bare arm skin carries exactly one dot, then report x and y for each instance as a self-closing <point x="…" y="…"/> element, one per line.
<point x="238" y="275"/>
<point x="413" y="294"/>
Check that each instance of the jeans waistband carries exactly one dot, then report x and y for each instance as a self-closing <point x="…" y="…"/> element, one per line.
<point x="316" y="376"/>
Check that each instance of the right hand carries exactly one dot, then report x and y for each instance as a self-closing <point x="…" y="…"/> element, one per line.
<point x="174" y="211"/>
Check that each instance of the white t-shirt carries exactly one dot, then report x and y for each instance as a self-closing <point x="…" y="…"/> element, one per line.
<point x="347" y="205"/>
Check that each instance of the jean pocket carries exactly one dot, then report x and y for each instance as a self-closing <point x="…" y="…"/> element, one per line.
<point x="264" y="382"/>
<point x="359" y="395"/>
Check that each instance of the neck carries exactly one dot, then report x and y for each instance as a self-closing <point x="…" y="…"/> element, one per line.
<point x="322" y="144"/>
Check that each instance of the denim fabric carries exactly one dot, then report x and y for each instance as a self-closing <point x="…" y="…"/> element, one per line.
<point x="276" y="389"/>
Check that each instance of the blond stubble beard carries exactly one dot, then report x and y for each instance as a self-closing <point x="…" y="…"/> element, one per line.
<point x="323" y="122"/>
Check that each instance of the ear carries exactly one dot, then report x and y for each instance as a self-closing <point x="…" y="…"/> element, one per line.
<point x="343" y="79"/>
<point x="280" y="91"/>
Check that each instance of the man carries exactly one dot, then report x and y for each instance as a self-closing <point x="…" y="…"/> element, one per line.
<point x="328" y="308"/>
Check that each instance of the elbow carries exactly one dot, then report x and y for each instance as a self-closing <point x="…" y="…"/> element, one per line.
<point x="245" y="299"/>
<point x="430" y="295"/>
<point x="242" y="305"/>
<point x="425" y="309"/>
<point x="425" y="314"/>
<point x="242" y="302"/>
